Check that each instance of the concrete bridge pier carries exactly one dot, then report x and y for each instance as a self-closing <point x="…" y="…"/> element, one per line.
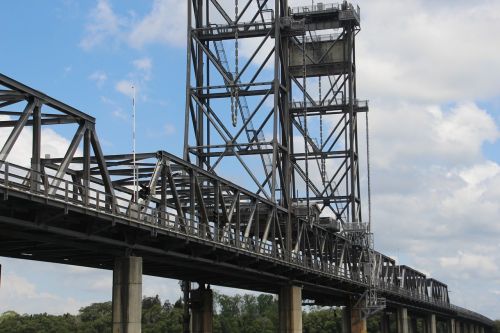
<point x="452" y="325"/>
<point x="202" y="310"/>
<point x="413" y="327"/>
<point x="127" y="295"/>
<point x="353" y="321"/>
<point x="430" y="324"/>
<point x="402" y="320"/>
<point x="290" y="309"/>
<point x="385" y="323"/>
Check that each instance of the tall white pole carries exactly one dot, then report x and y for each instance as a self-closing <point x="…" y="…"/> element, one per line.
<point x="135" y="175"/>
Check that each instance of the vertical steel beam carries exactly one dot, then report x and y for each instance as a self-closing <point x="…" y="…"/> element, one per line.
<point x="36" y="147"/>
<point x="188" y="82"/>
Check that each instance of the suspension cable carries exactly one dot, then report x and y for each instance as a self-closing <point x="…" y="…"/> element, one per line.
<point x="306" y="134"/>
<point x="235" y="97"/>
<point x="368" y="172"/>
<point x="323" y="164"/>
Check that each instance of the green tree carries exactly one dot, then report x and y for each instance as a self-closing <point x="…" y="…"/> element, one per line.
<point x="322" y="320"/>
<point x="496" y="326"/>
<point x="95" y="318"/>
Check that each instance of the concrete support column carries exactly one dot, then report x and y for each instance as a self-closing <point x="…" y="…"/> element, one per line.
<point x="452" y="325"/>
<point x="127" y="295"/>
<point x="430" y="323"/>
<point x="290" y="309"/>
<point x="413" y="324"/>
<point x="385" y="323"/>
<point x="202" y="310"/>
<point x="352" y="321"/>
<point x="402" y="320"/>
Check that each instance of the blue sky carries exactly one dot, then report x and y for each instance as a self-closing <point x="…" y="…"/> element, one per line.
<point x="47" y="53"/>
<point x="432" y="80"/>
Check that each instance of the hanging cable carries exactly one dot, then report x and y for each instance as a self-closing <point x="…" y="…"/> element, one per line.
<point x="306" y="134"/>
<point x="323" y="163"/>
<point x="235" y="95"/>
<point x="368" y="172"/>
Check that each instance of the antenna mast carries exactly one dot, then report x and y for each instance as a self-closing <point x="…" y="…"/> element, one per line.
<point x="135" y="175"/>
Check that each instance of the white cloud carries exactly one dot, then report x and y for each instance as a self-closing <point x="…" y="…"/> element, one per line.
<point x="144" y="65"/>
<point x="164" y="24"/>
<point x="437" y="194"/>
<point x="115" y="108"/>
<point x="53" y="144"/>
<point x="126" y="87"/>
<point x="425" y="132"/>
<point x="103" y="25"/>
<point x="99" y="77"/>
<point x="170" y="129"/>
<point x="23" y="296"/>
<point x="100" y="283"/>
<point x="429" y="52"/>
<point x="470" y="264"/>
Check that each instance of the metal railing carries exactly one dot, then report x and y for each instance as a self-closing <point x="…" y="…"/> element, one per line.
<point x="319" y="38"/>
<point x="319" y="7"/>
<point x="331" y="102"/>
<point x="230" y="29"/>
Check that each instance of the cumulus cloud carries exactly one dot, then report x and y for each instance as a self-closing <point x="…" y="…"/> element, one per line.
<point x="99" y="77"/>
<point x="23" y="295"/>
<point x="436" y="192"/>
<point x="468" y="263"/>
<point x="103" y="25"/>
<point x="426" y="132"/>
<point x="126" y="87"/>
<point x="427" y="53"/>
<point x="144" y="66"/>
<point x="169" y="129"/>
<point x="164" y="24"/>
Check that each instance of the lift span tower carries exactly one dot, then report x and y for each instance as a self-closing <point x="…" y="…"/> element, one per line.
<point x="271" y="101"/>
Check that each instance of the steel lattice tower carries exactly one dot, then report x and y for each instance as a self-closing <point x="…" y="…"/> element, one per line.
<point x="294" y="132"/>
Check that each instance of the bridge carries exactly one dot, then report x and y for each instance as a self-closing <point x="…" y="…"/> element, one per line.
<point x="292" y="226"/>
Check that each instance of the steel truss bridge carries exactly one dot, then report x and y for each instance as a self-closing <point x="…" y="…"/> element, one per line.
<point x="300" y="223"/>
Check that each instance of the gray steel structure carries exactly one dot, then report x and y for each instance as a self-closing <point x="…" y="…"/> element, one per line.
<point x="215" y="89"/>
<point x="311" y="184"/>
<point x="189" y="223"/>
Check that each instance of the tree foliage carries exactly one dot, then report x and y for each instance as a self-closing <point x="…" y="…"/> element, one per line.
<point x="496" y="327"/>
<point x="233" y="314"/>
